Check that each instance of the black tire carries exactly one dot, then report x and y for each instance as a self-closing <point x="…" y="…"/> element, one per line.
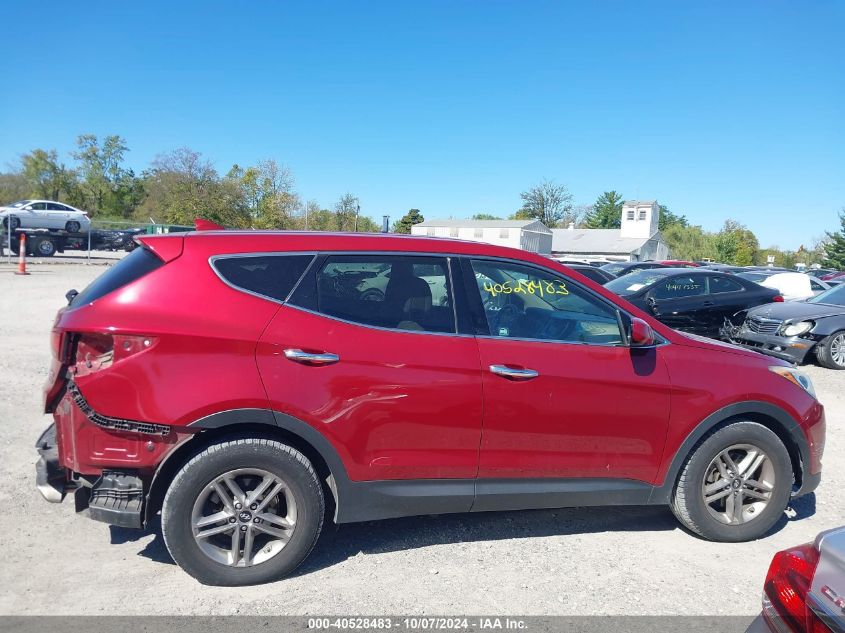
<point x="16" y="222"/>
<point x="72" y="227"/>
<point x="688" y="503"/>
<point x="43" y="247"/>
<point x="831" y="348"/>
<point x="291" y="466"/>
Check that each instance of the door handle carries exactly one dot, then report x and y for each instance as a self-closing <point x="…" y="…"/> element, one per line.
<point x="516" y="374"/>
<point x="297" y="355"/>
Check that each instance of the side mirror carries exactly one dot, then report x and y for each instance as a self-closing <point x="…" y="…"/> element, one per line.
<point x="641" y="334"/>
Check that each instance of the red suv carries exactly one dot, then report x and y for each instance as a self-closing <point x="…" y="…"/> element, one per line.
<point x="240" y="382"/>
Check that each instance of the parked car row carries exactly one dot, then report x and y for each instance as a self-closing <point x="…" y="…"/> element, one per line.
<point x="786" y="314"/>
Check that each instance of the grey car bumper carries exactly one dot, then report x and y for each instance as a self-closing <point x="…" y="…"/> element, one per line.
<point x="789" y="348"/>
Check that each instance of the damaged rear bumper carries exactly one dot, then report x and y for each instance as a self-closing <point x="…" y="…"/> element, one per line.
<point x="117" y="497"/>
<point x="51" y="479"/>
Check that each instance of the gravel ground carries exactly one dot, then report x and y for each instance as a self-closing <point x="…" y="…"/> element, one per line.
<point x="548" y="562"/>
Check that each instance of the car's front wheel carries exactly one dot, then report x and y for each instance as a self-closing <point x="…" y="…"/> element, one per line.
<point x="243" y="512"/>
<point x="831" y="351"/>
<point x="735" y="485"/>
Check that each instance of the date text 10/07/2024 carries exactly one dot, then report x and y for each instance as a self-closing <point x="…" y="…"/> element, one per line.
<point x="418" y="623"/>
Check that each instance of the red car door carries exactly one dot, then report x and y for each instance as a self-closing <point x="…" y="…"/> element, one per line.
<point x="366" y="351"/>
<point x="563" y="396"/>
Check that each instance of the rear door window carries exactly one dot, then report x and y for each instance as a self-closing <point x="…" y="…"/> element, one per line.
<point x="719" y="285"/>
<point x="270" y="276"/>
<point x="400" y="292"/>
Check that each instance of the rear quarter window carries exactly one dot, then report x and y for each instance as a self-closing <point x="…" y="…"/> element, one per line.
<point x="271" y="276"/>
<point x="138" y="263"/>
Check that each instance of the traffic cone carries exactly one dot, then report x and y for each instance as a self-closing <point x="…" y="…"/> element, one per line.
<point x="22" y="255"/>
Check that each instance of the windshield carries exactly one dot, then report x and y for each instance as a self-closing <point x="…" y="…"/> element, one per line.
<point x="755" y="277"/>
<point x="834" y="297"/>
<point x="630" y="283"/>
<point x="18" y="204"/>
<point x="614" y="269"/>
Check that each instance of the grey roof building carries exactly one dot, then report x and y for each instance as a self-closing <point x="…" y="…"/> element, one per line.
<point x="529" y="235"/>
<point x="637" y="240"/>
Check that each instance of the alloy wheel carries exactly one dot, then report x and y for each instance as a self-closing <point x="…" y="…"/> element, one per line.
<point x="837" y="349"/>
<point x="244" y="517"/>
<point x="738" y="484"/>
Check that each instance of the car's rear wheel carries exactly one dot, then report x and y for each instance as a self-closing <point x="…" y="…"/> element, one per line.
<point x="243" y="512"/>
<point x="72" y="227"/>
<point x="831" y="351"/>
<point x="735" y="485"/>
<point x="43" y="247"/>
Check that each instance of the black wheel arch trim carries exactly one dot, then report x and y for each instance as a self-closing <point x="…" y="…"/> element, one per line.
<point x="787" y="424"/>
<point x="339" y="482"/>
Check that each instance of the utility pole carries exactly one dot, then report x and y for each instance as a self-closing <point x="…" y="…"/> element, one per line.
<point x="357" y="211"/>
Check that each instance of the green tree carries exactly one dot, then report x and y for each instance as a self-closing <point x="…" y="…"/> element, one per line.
<point x="736" y="244"/>
<point x="47" y="178"/>
<point x="13" y="186"/>
<point x="267" y="194"/>
<point x="606" y="213"/>
<point x="549" y="202"/>
<point x="182" y="186"/>
<point x="404" y="224"/>
<point x="691" y="243"/>
<point x="107" y="187"/>
<point x="346" y="212"/>
<point x="834" y="247"/>
<point x="667" y="219"/>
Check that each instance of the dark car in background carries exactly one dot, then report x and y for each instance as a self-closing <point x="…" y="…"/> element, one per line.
<point x="820" y="272"/>
<point x="691" y="300"/>
<point x="114" y="239"/>
<point x="623" y="268"/>
<point x="591" y="272"/>
<point x="796" y="330"/>
<point x="725" y="268"/>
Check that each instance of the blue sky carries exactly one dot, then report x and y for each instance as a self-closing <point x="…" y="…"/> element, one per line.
<point x="717" y="109"/>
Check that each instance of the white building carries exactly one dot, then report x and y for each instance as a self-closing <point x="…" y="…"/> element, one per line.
<point x="529" y="235"/>
<point x="638" y="240"/>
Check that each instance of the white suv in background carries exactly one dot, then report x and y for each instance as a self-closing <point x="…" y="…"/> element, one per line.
<point x="44" y="214"/>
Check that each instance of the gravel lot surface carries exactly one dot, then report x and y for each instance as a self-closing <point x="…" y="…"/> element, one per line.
<point x="575" y="561"/>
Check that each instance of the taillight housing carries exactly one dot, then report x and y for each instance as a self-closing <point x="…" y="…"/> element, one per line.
<point x="785" y="591"/>
<point x="96" y="351"/>
<point x="778" y="298"/>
